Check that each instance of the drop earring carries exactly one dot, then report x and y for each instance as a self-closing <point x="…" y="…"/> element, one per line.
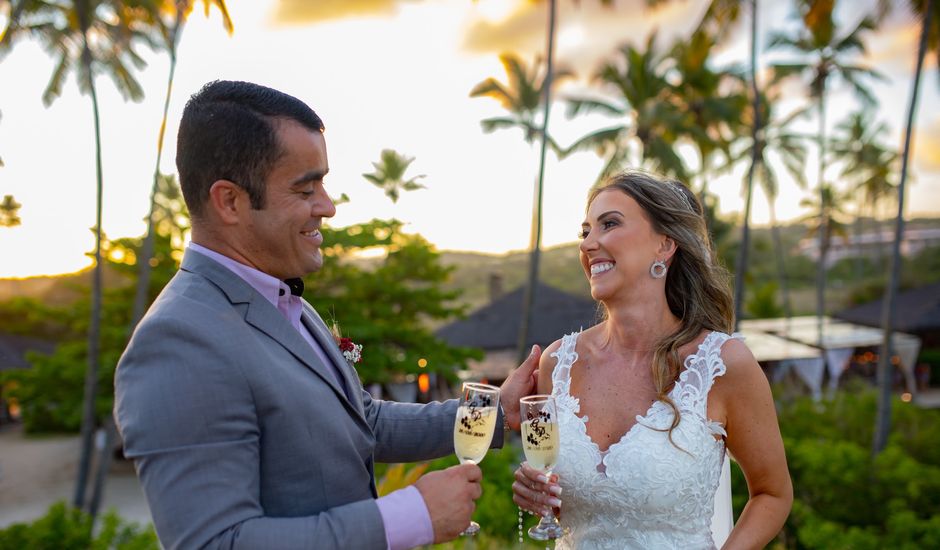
<point x="658" y="269"/>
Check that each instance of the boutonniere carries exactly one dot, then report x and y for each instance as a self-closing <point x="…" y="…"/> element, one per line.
<point x="350" y="350"/>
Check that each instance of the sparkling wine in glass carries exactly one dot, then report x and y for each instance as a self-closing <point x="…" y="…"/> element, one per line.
<point x="540" y="443"/>
<point x="474" y="426"/>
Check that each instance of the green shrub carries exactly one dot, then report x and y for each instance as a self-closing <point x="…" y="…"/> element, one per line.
<point x="843" y="496"/>
<point x="66" y="528"/>
<point x="496" y="513"/>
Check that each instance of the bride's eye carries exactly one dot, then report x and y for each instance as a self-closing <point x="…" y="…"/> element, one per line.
<point x="583" y="233"/>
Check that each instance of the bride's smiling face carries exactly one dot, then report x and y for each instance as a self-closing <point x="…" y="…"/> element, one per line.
<point x="618" y="244"/>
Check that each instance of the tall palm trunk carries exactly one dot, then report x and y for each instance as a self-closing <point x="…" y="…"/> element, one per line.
<point x="781" y="261"/>
<point x="885" y="370"/>
<point x="91" y="373"/>
<point x="859" y="250"/>
<point x="536" y="241"/>
<point x="823" y="221"/>
<point x="146" y="250"/>
<point x="755" y="131"/>
<point x="703" y="196"/>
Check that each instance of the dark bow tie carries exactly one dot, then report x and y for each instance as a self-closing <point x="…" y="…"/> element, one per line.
<point x="296" y="286"/>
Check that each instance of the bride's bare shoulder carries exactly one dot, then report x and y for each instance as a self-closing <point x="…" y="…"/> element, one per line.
<point x="548" y="361"/>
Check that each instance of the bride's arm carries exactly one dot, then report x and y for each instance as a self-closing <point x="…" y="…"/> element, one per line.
<point x="755" y="443"/>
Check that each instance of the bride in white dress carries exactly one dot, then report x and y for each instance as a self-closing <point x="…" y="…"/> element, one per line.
<point x="650" y="399"/>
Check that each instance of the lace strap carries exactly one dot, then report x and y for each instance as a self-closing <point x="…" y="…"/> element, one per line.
<point x="566" y="356"/>
<point x="714" y="365"/>
<point x="701" y="370"/>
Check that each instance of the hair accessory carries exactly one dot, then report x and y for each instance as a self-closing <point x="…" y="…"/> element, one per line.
<point x="658" y="269"/>
<point x="675" y="187"/>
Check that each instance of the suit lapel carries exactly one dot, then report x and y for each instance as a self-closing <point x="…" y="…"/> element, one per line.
<point x="260" y="314"/>
<point x="322" y="335"/>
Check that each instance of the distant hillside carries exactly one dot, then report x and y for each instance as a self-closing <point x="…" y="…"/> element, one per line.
<point x="559" y="268"/>
<point x="56" y="290"/>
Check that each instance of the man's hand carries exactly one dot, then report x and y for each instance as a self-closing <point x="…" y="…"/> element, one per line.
<point x="520" y="383"/>
<point x="449" y="496"/>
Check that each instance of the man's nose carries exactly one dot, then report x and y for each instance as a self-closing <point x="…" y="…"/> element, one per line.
<point x="324" y="206"/>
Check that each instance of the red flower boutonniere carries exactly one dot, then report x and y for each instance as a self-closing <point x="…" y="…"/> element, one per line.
<point x="351" y="351"/>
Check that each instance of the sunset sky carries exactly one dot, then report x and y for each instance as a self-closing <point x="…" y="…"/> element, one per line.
<point x="391" y="74"/>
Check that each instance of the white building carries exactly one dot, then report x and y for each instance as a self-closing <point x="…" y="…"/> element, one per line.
<point x="871" y="244"/>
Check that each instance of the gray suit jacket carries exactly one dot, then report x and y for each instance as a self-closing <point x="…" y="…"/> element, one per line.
<point x="242" y="438"/>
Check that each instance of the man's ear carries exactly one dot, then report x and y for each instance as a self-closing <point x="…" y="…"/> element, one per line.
<point x="227" y="200"/>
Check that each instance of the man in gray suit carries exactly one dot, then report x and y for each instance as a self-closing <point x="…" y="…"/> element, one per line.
<point x="247" y="427"/>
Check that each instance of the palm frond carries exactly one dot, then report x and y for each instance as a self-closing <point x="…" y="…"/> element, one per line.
<point x="781" y="40"/>
<point x="494" y="89"/>
<point x="583" y="106"/>
<point x="54" y="88"/>
<point x="598" y="140"/>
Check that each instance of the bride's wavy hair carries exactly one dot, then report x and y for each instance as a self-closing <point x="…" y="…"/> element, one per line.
<point x="697" y="286"/>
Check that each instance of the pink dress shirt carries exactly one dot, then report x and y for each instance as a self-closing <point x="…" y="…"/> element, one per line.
<point x="404" y="512"/>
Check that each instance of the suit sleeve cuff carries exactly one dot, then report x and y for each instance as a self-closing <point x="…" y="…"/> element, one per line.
<point x="406" y="519"/>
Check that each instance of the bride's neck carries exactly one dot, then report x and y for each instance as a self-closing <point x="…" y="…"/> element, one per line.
<point x="639" y="327"/>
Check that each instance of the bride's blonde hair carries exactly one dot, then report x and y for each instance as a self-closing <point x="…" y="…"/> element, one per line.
<point x="697" y="286"/>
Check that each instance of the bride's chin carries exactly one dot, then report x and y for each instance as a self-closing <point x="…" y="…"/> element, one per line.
<point x="599" y="293"/>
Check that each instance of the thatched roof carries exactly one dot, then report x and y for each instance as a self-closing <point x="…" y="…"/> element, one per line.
<point x="13" y="350"/>
<point x="496" y="326"/>
<point x="916" y="311"/>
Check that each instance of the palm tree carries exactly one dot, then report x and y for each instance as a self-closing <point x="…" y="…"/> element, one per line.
<point x="825" y="217"/>
<point x="171" y="21"/>
<point x="777" y="144"/>
<point x="867" y="164"/>
<point x="929" y="39"/>
<point x="653" y="122"/>
<point x="389" y="174"/>
<point x="711" y="100"/>
<point x="824" y="55"/>
<point x="525" y="92"/>
<point x="521" y="96"/>
<point x="171" y="221"/>
<point x="9" y="212"/>
<point x="90" y="37"/>
<point x="717" y="22"/>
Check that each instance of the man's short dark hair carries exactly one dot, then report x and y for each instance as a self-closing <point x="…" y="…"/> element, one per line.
<point x="228" y="131"/>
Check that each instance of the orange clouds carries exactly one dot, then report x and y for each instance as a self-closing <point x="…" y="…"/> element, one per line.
<point x="586" y="31"/>
<point x="927" y="145"/>
<point x="305" y="11"/>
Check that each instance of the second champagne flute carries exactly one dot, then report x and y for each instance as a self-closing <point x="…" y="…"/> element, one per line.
<point x="540" y="443"/>
<point x="474" y="426"/>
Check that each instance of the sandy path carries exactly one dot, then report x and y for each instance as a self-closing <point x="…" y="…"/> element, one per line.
<point x="35" y="472"/>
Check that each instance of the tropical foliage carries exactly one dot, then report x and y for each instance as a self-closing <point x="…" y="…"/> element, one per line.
<point x="389" y="174"/>
<point x="837" y="479"/>
<point x="69" y="528"/>
<point x="387" y="306"/>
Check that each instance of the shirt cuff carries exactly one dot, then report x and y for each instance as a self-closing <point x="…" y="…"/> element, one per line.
<point x="406" y="519"/>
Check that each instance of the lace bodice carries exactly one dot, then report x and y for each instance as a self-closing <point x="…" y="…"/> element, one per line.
<point x="643" y="492"/>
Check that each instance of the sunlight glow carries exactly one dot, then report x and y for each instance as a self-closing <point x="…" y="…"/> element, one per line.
<point x="403" y="95"/>
<point x="496" y="11"/>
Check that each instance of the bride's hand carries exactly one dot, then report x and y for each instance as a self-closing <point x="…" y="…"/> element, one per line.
<point x="534" y="492"/>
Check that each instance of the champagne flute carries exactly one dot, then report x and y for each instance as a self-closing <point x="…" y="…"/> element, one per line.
<point x="540" y="443"/>
<point x="474" y="426"/>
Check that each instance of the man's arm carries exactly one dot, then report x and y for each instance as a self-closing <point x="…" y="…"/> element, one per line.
<point x="189" y="422"/>
<point x="406" y="432"/>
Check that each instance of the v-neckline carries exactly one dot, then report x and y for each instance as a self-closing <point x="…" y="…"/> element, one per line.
<point x="602" y="455"/>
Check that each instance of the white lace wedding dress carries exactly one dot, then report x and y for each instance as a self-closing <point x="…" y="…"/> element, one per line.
<point x="643" y="492"/>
